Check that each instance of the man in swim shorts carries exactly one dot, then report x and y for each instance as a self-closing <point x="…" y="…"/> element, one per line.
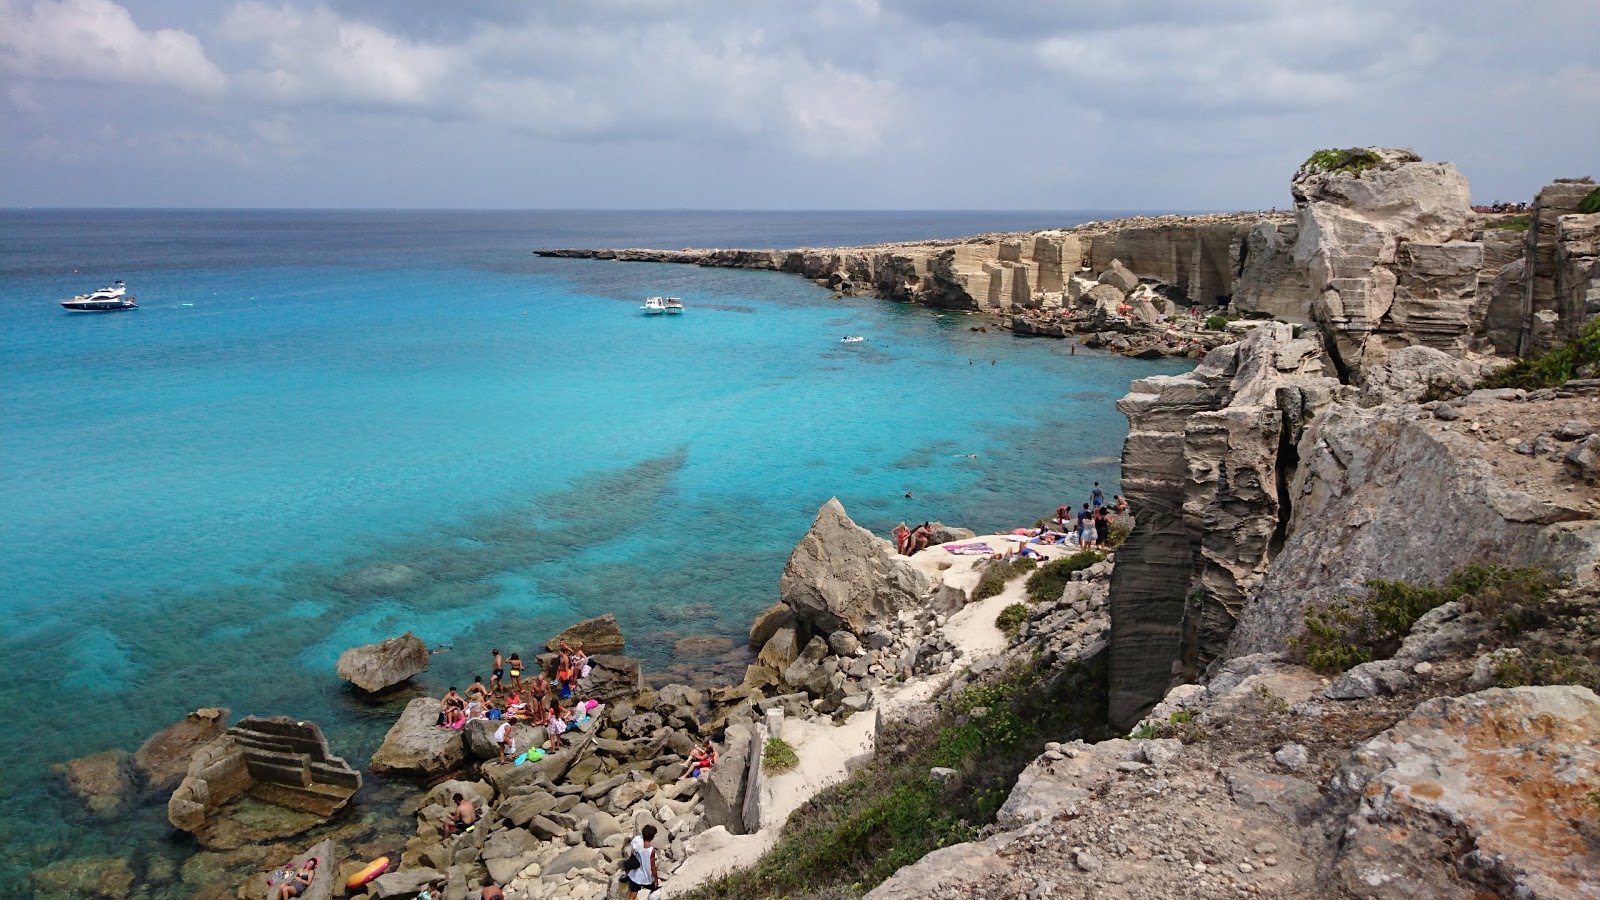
<point x="497" y="673"/>
<point x="465" y="815"/>
<point x="504" y="741"/>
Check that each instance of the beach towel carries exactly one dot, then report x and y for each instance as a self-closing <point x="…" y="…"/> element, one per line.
<point x="976" y="548"/>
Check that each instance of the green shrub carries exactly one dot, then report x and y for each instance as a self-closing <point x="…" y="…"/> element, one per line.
<point x="1579" y="358"/>
<point x="1051" y="579"/>
<point x="997" y="573"/>
<point x="1521" y="670"/>
<point x="1511" y="223"/>
<point x="778" y="756"/>
<point x="1119" y="533"/>
<point x="1354" y="630"/>
<point x="1011" y="618"/>
<point x="1591" y="203"/>
<point x="1219" y="322"/>
<point x="1352" y="160"/>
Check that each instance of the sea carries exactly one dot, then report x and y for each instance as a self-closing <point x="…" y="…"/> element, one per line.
<point x="323" y="428"/>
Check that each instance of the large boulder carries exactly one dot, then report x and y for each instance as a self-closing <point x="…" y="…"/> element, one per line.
<point x="1498" y="783"/>
<point x="601" y="634"/>
<point x="416" y="746"/>
<point x="767" y="622"/>
<point x="380" y="666"/>
<point x="840" y="575"/>
<point x="722" y="792"/>
<point x="1118" y="276"/>
<point x="164" y="758"/>
<point x="611" y="677"/>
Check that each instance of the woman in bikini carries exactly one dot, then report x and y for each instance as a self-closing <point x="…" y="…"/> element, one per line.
<point x="296" y="884"/>
<point x="516" y="672"/>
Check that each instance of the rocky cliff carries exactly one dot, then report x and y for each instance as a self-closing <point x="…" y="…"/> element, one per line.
<point x="1286" y="469"/>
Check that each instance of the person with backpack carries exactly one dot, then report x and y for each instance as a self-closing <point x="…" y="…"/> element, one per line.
<point x="643" y="874"/>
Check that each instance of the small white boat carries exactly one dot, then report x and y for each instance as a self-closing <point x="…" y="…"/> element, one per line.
<point x="654" y="306"/>
<point x="674" y="306"/>
<point x="107" y="299"/>
<point x="856" y="339"/>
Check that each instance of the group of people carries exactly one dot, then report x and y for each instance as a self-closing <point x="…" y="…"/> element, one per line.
<point x="1091" y="525"/>
<point x="551" y="699"/>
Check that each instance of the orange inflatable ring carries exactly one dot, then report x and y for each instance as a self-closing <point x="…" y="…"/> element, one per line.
<point x="373" y="870"/>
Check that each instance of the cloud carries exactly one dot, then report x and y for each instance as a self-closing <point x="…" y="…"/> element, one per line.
<point x="98" y="41"/>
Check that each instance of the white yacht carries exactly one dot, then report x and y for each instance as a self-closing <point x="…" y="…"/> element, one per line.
<point x="674" y="306"/>
<point x="654" y="306"/>
<point x="106" y="299"/>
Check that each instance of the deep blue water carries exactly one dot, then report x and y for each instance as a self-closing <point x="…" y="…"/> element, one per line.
<point x="322" y="428"/>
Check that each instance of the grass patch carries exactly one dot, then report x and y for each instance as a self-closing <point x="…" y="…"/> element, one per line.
<point x="850" y="837"/>
<point x="1579" y="358"/>
<point x="1351" y="160"/>
<point x="997" y="573"/>
<point x="1050" y="581"/>
<point x="1011" y="618"/>
<point x="778" y="755"/>
<point x="1119" y="533"/>
<point x="1354" y="630"/>
<point x="1591" y="203"/>
<point x="1511" y="223"/>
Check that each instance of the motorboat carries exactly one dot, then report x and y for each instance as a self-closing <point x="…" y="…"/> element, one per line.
<point x="856" y="339"/>
<point x="654" y="306"/>
<point x="107" y="299"/>
<point x="674" y="306"/>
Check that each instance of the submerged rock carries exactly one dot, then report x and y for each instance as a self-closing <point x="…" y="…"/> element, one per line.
<point x="601" y="634"/>
<point x="108" y="876"/>
<point x="101" y="781"/>
<point x="380" y="666"/>
<point x="164" y="758"/>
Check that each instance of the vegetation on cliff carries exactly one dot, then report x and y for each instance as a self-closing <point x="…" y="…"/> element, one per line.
<point x="1590" y="203"/>
<point x="995" y="576"/>
<point x="1579" y="358"/>
<point x="852" y="836"/>
<point x="1052" y="577"/>
<point x="1355" y="630"/>
<point x="1351" y="159"/>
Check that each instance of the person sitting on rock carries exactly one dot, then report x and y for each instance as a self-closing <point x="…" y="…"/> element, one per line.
<point x="490" y="891"/>
<point x="465" y="816"/>
<point x="702" y="758"/>
<point x="515" y="707"/>
<point x="450" y="706"/>
<point x="296" y="884"/>
<point x="476" y="690"/>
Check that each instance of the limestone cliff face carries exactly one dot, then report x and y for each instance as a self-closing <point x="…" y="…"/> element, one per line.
<point x="1284" y="470"/>
<point x="1206" y="456"/>
<point x="1392" y="492"/>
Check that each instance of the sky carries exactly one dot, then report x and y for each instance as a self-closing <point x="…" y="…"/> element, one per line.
<point x="777" y="104"/>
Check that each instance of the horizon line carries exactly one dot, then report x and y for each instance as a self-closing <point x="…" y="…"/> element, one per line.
<point x="618" y="209"/>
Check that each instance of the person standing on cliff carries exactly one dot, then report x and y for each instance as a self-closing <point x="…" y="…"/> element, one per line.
<point x="1097" y="496"/>
<point x="1085" y="527"/>
<point x="646" y="876"/>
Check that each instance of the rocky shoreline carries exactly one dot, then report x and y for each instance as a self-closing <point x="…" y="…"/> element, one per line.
<point x="1338" y="447"/>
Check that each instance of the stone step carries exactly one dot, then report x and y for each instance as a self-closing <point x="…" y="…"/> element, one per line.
<point x="317" y="799"/>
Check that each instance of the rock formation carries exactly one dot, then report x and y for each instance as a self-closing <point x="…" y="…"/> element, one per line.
<point x="378" y="667"/>
<point x="1204" y="465"/>
<point x="1497" y="779"/>
<point x="842" y="576"/>
<point x="276" y="762"/>
<point x="601" y="634"/>
<point x="164" y="759"/>
<point x="416" y="745"/>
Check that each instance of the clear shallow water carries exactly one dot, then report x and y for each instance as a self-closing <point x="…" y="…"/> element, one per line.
<point x="373" y="422"/>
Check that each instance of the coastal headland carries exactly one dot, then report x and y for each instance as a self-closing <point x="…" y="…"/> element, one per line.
<point x="1344" y="646"/>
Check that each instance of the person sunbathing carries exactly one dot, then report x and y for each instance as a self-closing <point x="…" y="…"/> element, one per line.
<point x="476" y="690"/>
<point x="449" y="705"/>
<point x="296" y="884"/>
<point x="701" y="758"/>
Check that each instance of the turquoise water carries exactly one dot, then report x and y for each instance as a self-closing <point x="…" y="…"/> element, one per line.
<point x="321" y="429"/>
